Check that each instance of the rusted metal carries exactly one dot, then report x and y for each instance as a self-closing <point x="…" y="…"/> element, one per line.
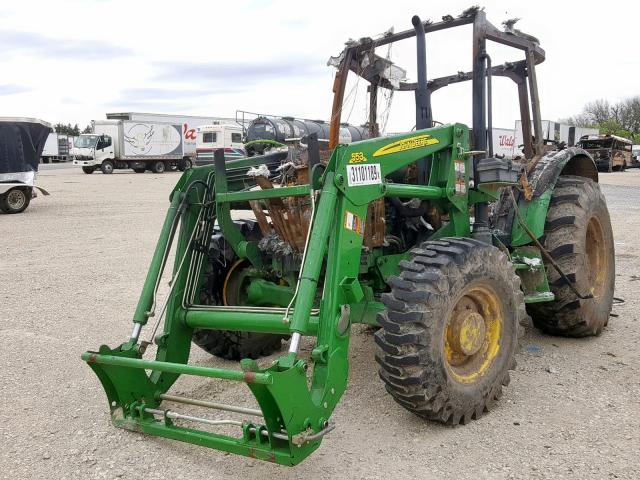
<point x="261" y="218"/>
<point x="525" y="114"/>
<point x="609" y="152"/>
<point x="374" y="227"/>
<point x="339" y="85"/>
<point x="374" y="129"/>
<point x="249" y="377"/>
<point x="535" y="104"/>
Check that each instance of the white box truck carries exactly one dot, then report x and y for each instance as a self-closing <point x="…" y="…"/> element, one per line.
<point x="188" y="123"/>
<point x="57" y="148"/>
<point x="139" y="145"/>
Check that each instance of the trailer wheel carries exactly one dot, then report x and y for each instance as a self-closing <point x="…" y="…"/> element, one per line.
<point x="140" y="170"/>
<point x="88" y="170"/>
<point x="450" y="331"/>
<point x="107" y="167"/>
<point x="158" y="167"/>
<point x="15" y="200"/>
<point x="578" y="236"/>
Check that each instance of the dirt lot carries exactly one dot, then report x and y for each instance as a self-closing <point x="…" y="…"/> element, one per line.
<point x="73" y="266"/>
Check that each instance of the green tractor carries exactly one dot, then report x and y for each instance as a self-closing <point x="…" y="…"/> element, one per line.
<point x="426" y="236"/>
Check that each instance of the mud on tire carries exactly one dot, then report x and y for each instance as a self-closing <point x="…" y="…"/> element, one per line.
<point x="578" y="236"/>
<point x="413" y="363"/>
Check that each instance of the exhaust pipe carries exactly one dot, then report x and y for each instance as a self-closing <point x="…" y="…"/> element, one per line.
<point x="423" y="97"/>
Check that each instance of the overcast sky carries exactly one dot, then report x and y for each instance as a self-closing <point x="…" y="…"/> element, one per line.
<point x="73" y="61"/>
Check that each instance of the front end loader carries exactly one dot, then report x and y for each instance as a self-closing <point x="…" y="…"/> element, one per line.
<point x="426" y="236"/>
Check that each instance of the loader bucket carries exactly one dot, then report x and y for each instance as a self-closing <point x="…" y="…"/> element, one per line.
<point x="135" y="404"/>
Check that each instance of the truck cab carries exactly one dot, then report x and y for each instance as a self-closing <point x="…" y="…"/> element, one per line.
<point x="90" y="150"/>
<point x="210" y="138"/>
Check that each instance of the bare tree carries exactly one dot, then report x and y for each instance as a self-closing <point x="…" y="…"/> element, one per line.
<point x="597" y="111"/>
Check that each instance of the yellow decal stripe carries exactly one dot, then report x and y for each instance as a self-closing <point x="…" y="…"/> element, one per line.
<point x="410" y="143"/>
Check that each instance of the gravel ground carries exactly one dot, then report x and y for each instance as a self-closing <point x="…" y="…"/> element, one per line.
<point x="73" y="265"/>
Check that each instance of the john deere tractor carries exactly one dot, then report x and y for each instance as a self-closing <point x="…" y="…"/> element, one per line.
<point x="426" y="236"/>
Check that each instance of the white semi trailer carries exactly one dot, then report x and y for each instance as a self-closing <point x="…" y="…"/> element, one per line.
<point x="139" y="145"/>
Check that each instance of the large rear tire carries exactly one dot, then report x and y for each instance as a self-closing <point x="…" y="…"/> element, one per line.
<point x="579" y="237"/>
<point x="450" y="332"/>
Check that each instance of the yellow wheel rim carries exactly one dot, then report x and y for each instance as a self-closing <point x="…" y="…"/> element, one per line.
<point x="472" y="333"/>
<point x="225" y="286"/>
<point x="597" y="261"/>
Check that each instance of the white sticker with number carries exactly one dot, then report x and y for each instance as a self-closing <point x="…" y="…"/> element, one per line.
<point x="364" y="174"/>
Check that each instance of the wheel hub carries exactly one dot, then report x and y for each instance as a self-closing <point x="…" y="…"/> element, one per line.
<point x="16" y="199"/>
<point x="472" y="334"/>
<point x="467" y="332"/>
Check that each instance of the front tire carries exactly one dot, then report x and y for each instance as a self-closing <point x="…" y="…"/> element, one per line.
<point x="139" y="170"/>
<point x="579" y="237"/>
<point x="88" y="170"/>
<point x="232" y="345"/>
<point x="450" y="332"/>
<point x="15" y="200"/>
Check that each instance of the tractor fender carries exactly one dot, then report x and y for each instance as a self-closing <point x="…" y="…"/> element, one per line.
<point x="569" y="161"/>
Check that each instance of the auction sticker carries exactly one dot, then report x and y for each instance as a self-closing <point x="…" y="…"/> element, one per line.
<point x="353" y="222"/>
<point x="364" y="174"/>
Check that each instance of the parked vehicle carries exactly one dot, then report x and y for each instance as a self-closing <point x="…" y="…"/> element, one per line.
<point x="22" y="141"/>
<point x="188" y="123"/>
<point x="57" y="148"/>
<point x="635" y="156"/>
<point x="141" y="146"/>
<point x="610" y="152"/>
<point x="210" y="138"/>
